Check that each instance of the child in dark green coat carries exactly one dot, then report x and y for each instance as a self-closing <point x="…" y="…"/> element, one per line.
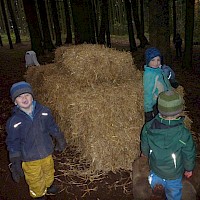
<point x="169" y="146"/>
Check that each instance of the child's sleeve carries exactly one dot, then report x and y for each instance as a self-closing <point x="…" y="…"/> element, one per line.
<point x="144" y="142"/>
<point x="168" y="72"/>
<point x="188" y="151"/>
<point x="148" y="82"/>
<point x="52" y="126"/>
<point x="13" y="139"/>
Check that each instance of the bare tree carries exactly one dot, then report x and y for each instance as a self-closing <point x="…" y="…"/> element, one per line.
<point x="159" y="33"/>
<point x="15" y="27"/>
<point x="6" y="23"/>
<point x="83" y="26"/>
<point x="189" y="30"/>
<point x="140" y="33"/>
<point x="56" y="23"/>
<point x="68" y="23"/>
<point x="104" y="28"/>
<point x="130" y="26"/>
<point x="45" y="27"/>
<point x="174" y="19"/>
<point x="33" y="26"/>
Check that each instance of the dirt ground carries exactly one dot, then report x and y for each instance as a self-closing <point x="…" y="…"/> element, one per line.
<point x="106" y="186"/>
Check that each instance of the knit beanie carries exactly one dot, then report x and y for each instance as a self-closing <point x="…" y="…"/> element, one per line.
<point x="170" y="103"/>
<point x="20" y="88"/>
<point x="151" y="53"/>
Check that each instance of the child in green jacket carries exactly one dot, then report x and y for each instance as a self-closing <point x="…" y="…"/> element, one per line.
<point x="169" y="146"/>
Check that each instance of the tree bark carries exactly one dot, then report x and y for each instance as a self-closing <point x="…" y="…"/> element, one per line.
<point x="6" y="23"/>
<point x="189" y="30"/>
<point x="159" y="32"/>
<point x="130" y="26"/>
<point x="140" y="34"/>
<point x="56" y="23"/>
<point x="15" y="27"/>
<point x="104" y="28"/>
<point x="174" y="20"/>
<point x="68" y="23"/>
<point x="83" y="27"/>
<point x="45" y="27"/>
<point x="33" y="26"/>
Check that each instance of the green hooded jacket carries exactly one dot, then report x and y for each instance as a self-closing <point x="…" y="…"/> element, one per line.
<point x="169" y="146"/>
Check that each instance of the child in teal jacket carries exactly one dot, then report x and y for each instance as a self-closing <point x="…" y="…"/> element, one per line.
<point x="155" y="81"/>
<point x="169" y="146"/>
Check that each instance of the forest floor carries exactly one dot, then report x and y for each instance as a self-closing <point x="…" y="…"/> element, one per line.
<point x="110" y="186"/>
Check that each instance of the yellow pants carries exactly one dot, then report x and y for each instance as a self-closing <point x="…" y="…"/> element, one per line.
<point x="39" y="175"/>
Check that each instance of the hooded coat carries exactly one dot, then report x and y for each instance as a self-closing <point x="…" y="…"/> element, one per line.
<point x="154" y="82"/>
<point x="169" y="146"/>
<point x="30" y="138"/>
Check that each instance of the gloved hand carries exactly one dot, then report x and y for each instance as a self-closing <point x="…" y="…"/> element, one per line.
<point x="149" y="116"/>
<point x="60" y="144"/>
<point x="174" y="83"/>
<point x="16" y="168"/>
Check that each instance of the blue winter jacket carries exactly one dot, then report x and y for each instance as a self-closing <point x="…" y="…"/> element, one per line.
<point x="31" y="138"/>
<point x="154" y="82"/>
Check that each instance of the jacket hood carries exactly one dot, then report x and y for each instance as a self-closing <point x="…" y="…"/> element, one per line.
<point x="166" y="132"/>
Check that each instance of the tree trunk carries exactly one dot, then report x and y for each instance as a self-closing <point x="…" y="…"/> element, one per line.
<point x="15" y="27"/>
<point x="130" y="26"/>
<point x="159" y="32"/>
<point x="104" y="28"/>
<point x="6" y="23"/>
<point x="140" y="34"/>
<point x="189" y="30"/>
<point x="56" y="23"/>
<point x="45" y="27"/>
<point x="174" y="20"/>
<point x="83" y="27"/>
<point x="92" y="20"/>
<point x="68" y="23"/>
<point x="94" y="13"/>
<point x="33" y="26"/>
<point x="142" y="15"/>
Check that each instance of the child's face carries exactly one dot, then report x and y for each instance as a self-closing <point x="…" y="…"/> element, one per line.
<point x="155" y="62"/>
<point x="24" y="101"/>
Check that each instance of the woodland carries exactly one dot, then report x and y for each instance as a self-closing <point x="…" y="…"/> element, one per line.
<point x="129" y="25"/>
<point x="51" y="23"/>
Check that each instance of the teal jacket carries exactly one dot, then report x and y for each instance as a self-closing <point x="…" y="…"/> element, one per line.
<point x="154" y="82"/>
<point x="169" y="146"/>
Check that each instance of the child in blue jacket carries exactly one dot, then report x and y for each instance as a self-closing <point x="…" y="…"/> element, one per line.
<point x="29" y="141"/>
<point x="155" y="81"/>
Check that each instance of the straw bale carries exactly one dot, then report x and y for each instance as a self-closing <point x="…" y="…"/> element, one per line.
<point x="59" y="54"/>
<point x="103" y="122"/>
<point x="96" y="96"/>
<point x="37" y="76"/>
<point x="92" y="64"/>
<point x="188" y="122"/>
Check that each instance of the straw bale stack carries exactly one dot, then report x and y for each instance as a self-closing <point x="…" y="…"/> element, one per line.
<point x="96" y="96"/>
<point x="89" y="64"/>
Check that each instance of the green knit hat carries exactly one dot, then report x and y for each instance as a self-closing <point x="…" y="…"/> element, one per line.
<point x="170" y="103"/>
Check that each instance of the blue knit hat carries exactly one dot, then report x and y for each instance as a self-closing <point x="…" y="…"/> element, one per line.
<point x="151" y="53"/>
<point x="20" y="88"/>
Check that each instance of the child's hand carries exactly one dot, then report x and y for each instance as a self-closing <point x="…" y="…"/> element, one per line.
<point x="188" y="174"/>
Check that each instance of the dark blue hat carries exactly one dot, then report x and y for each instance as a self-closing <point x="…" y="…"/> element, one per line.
<point x="151" y="53"/>
<point x="20" y="88"/>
